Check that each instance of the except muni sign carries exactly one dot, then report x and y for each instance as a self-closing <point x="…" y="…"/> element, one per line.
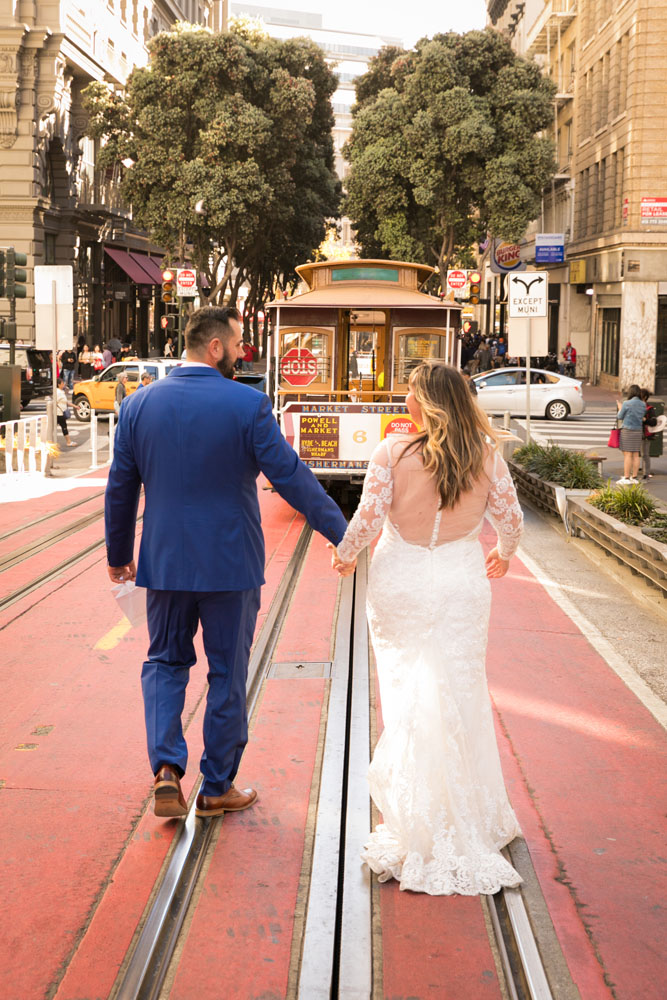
<point x="528" y="294"/>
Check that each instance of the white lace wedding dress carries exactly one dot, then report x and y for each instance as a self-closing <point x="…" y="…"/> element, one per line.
<point x="435" y="775"/>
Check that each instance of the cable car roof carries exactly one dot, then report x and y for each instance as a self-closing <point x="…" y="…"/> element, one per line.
<point x="359" y="284"/>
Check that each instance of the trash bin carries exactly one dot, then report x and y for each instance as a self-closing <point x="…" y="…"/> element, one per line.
<point x="257" y="381"/>
<point x="655" y="447"/>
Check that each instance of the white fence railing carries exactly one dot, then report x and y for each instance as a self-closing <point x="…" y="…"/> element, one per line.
<point x="24" y="445"/>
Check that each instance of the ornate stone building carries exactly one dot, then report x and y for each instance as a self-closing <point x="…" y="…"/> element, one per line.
<point x="55" y="204"/>
<point x="609" y="196"/>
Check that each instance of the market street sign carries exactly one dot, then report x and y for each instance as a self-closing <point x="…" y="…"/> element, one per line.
<point x="528" y="294"/>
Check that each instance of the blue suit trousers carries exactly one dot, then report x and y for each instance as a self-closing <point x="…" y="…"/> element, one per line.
<point x="228" y="625"/>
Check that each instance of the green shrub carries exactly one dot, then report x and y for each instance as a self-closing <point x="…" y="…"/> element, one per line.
<point x="630" y="504"/>
<point x="558" y="465"/>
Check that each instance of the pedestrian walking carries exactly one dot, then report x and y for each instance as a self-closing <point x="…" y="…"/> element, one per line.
<point x="121" y="392"/>
<point x="145" y="380"/>
<point x="631" y="414"/>
<point x="67" y="365"/>
<point x="650" y="420"/>
<point x="483" y="356"/>
<point x="63" y="412"/>
<point x="98" y="360"/>
<point x="435" y="775"/>
<point x="85" y="362"/>
<point x="168" y="348"/>
<point x="202" y="549"/>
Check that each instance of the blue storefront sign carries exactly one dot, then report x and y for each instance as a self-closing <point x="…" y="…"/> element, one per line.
<point x="549" y="248"/>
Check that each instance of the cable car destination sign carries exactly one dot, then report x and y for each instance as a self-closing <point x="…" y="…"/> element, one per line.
<point x="528" y="294"/>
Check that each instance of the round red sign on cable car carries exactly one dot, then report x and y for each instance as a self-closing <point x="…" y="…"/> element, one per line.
<point x="298" y="367"/>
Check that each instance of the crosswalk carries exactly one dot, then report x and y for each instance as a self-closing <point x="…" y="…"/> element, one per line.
<point x="587" y="431"/>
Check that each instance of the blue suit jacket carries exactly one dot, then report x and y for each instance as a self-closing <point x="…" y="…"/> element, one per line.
<point x="197" y="441"/>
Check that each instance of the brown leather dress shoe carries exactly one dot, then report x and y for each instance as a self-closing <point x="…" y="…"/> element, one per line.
<point x="232" y="801"/>
<point x="169" y="799"/>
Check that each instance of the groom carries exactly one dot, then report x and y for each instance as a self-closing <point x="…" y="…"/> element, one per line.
<point x="197" y="441"/>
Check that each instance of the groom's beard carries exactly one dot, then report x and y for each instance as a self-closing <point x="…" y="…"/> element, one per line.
<point x="226" y="366"/>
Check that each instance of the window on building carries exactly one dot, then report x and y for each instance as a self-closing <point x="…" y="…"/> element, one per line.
<point x="135" y="17"/>
<point x="49" y="248"/>
<point x="611" y="341"/>
<point x="603" y="92"/>
<point x="582" y="205"/>
<point x="623" y="73"/>
<point x="600" y="196"/>
<point x="619" y="165"/>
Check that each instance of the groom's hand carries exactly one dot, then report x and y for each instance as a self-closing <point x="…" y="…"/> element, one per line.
<point x="118" y="574"/>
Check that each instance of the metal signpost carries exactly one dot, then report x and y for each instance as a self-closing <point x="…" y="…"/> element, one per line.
<point x="528" y="298"/>
<point x="54" y="321"/>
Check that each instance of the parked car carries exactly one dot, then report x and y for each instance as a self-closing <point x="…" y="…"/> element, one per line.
<point x="553" y="396"/>
<point x="99" y="393"/>
<point x="36" y="375"/>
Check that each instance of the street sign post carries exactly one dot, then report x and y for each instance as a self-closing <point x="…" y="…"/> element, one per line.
<point x="186" y="282"/>
<point x="54" y="322"/>
<point x="457" y="280"/>
<point x="528" y="298"/>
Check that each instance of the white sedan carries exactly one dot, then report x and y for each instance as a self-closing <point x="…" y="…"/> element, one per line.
<point x="503" y="390"/>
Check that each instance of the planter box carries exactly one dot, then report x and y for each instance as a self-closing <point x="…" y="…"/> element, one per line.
<point x="644" y="555"/>
<point x="547" y="496"/>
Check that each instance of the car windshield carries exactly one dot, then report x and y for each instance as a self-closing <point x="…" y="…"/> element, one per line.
<point x="39" y="359"/>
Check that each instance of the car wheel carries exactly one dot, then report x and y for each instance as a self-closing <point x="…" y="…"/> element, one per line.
<point x="557" y="410"/>
<point x="81" y="409"/>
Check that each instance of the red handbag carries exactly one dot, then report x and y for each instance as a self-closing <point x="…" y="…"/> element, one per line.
<point x="614" y="438"/>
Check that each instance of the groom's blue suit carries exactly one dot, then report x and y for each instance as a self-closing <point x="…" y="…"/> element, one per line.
<point x="197" y="441"/>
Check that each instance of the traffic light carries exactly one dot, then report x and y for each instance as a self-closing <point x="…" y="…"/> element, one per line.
<point x="168" y="286"/>
<point x="475" y="283"/>
<point x="168" y="322"/>
<point x="15" y="277"/>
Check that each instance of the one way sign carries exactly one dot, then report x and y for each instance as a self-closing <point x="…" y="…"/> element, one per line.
<point x="528" y="294"/>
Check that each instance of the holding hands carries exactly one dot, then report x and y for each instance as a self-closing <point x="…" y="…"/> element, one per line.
<point x="343" y="569"/>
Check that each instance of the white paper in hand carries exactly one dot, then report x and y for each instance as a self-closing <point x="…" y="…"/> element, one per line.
<point x="131" y="600"/>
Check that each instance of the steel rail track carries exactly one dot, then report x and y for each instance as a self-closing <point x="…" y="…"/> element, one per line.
<point x="47" y="517"/>
<point x="45" y="542"/>
<point x="150" y="956"/>
<point x="525" y="975"/>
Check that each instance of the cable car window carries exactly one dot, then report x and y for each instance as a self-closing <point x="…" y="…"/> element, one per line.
<point x="315" y="343"/>
<point x="413" y="348"/>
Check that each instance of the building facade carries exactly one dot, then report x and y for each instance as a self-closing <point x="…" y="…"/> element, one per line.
<point x="56" y="205"/>
<point x="609" y="195"/>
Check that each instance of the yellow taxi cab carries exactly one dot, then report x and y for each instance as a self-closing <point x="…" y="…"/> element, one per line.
<point x="99" y="393"/>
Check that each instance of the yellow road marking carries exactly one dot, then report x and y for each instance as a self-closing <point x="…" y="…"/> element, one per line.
<point x="114" y="635"/>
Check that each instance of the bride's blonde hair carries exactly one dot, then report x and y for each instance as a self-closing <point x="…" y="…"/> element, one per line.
<point x="456" y="434"/>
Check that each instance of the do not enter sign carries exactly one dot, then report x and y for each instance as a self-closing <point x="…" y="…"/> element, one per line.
<point x="457" y="280"/>
<point x="186" y="282"/>
<point x="298" y="367"/>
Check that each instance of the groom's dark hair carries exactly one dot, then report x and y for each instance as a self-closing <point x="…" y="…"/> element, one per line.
<point x="205" y="323"/>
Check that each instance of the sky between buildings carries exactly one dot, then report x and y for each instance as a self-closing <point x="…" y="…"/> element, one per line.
<point x="404" y="19"/>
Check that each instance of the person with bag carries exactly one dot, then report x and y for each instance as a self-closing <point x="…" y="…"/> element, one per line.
<point x="98" y="360"/>
<point x="631" y="416"/>
<point x="63" y="412"/>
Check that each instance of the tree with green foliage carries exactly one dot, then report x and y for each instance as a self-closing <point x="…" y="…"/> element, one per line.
<point x="240" y="122"/>
<point x="447" y="147"/>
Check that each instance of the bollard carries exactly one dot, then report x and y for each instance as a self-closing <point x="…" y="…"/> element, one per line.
<point x="93" y="439"/>
<point x="112" y="434"/>
<point x="506" y="420"/>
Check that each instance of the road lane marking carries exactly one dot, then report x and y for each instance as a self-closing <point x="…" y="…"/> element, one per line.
<point x="114" y="635"/>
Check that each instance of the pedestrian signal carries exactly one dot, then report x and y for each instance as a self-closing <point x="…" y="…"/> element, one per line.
<point x="168" y="286"/>
<point x="475" y="282"/>
<point x="15" y="276"/>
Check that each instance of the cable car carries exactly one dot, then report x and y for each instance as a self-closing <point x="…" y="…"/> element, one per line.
<point x="341" y="354"/>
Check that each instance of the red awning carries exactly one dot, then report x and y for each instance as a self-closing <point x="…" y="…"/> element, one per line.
<point x="148" y="264"/>
<point x="130" y="265"/>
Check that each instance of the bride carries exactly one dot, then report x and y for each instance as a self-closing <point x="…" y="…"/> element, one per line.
<point x="435" y="774"/>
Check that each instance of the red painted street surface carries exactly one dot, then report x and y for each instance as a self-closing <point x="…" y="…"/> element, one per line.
<point x="584" y="762"/>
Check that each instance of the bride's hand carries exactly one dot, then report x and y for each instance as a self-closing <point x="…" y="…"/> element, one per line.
<point x="343" y="569"/>
<point x="495" y="566"/>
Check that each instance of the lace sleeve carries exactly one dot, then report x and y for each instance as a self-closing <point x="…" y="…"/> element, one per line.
<point x="503" y="509"/>
<point x="373" y="506"/>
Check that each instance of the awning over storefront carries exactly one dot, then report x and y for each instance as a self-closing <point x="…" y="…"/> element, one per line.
<point x="149" y="265"/>
<point x="133" y="269"/>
